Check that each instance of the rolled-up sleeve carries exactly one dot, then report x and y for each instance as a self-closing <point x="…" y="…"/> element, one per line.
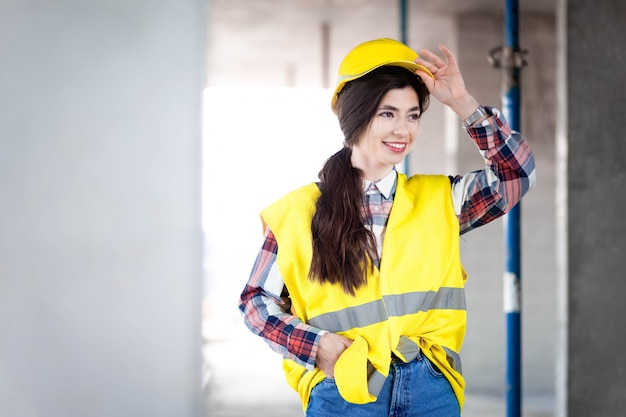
<point x="509" y="173"/>
<point x="265" y="306"/>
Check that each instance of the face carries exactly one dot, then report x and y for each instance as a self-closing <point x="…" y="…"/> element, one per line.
<point x="390" y="135"/>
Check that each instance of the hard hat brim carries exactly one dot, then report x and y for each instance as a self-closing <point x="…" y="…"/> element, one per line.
<point x="410" y="65"/>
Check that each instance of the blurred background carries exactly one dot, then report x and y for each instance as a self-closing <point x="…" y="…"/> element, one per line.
<point x="139" y="140"/>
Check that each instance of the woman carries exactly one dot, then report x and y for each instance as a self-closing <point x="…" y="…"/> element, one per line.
<point x="365" y="297"/>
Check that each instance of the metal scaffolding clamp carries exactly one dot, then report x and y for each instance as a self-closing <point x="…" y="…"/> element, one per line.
<point x="506" y="57"/>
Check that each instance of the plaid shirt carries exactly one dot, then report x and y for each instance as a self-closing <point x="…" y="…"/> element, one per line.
<point x="478" y="197"/>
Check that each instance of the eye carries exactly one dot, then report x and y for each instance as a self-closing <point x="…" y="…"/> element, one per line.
<point x="386" y="114"/>
<point x="414" y="117"/>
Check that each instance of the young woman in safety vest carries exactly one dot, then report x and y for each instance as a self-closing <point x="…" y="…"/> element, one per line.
<point x="359" y="283"/>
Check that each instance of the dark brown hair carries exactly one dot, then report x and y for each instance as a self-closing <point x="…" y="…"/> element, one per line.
<point x="343" y="248"/>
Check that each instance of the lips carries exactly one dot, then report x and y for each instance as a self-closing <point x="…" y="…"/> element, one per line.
<point x="398" y="147"/>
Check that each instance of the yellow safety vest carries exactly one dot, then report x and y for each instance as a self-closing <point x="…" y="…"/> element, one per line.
<point x="413" y="302"/>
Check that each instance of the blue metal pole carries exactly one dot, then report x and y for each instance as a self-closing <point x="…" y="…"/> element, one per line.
<point x="512" y="220"/>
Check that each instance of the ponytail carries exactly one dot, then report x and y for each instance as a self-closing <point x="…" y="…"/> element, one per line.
<point x="343" y="248"/>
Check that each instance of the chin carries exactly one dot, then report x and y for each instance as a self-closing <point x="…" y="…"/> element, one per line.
<point x="398" y="161"/>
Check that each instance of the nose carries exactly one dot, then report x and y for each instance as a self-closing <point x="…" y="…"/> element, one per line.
<point x="400" y="128"/>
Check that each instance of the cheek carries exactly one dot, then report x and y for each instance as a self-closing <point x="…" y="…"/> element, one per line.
<point x="369" y="138"/>
<point x="415" y="133"/>
<point x="414" y="138"/>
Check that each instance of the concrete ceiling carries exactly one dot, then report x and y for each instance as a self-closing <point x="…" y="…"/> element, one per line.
<point x="481" y="6"/>
<point x="281" y="42"/>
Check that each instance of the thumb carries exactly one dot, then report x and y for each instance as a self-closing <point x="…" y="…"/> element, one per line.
<point x="347" y="342"/>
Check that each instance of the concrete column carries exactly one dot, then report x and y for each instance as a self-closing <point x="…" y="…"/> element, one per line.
<point x="100" y="237"/>
<point x="592" y="284"/>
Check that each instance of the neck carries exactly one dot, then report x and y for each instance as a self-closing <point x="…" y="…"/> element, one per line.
<point x="373" y="173"/>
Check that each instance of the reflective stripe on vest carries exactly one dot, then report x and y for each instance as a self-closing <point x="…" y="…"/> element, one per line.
<point x="390" y="306"/>
<point x="396" y="305"/>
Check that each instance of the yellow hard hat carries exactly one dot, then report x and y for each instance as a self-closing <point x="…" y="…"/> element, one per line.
<point x="373" y="54"/>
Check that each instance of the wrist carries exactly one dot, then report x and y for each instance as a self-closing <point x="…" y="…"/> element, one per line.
<point x="479" y="115"/>
<point x="465" y="106"/>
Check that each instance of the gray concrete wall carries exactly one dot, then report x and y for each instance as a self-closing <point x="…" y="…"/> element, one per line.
<point x="592" y="277"/>
<point x="100" y="238"/>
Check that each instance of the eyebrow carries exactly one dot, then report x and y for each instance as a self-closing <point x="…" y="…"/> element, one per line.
<point x="389" y="107"/>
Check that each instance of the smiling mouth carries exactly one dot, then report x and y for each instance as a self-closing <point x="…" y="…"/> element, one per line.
<point x="395" y="146"/>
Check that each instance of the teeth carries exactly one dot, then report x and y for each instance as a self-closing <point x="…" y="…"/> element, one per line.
<point x="397" y="145"/>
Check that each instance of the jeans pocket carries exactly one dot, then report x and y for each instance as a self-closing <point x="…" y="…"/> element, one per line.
<point x="432" y="368"/>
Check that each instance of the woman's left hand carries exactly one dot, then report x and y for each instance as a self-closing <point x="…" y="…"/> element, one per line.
<point x="447" y="86"/>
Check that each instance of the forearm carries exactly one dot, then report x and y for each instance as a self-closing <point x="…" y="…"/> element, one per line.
<point x="509" y="172"/>
<point x="283" y="332"/>
<point x="265" y="306"/>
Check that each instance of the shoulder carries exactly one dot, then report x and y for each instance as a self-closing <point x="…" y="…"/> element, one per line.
<point x="427" y="194"/>
<point x="421" y="181"/>
<point x="425" y="189"/>
<point x="302" y="195"/>
<point x="301" y="200"/>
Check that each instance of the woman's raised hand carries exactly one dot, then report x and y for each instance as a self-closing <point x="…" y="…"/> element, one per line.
<point x="447" y="86"/>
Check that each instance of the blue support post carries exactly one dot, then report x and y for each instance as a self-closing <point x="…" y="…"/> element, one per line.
<point x="512" y="294"/>
<point x="511" y="59"/>
<point x="512" y="283"/>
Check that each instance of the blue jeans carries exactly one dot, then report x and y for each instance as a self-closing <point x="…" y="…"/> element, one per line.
<point x="415" y="389"/>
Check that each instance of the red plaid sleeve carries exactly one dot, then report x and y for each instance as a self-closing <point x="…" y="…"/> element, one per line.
<point x="265" y="305"/>
<point x="482" y="196"/>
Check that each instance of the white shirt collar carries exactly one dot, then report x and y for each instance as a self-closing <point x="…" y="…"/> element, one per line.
<point x="384" y="185"/>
